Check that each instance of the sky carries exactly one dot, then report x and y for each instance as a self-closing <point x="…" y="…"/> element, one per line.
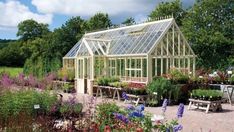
<point x="57" y="12"/>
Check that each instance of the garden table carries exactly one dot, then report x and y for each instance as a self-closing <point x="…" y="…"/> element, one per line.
<point x="115" y="94"/>
<point x="205" y="105"/>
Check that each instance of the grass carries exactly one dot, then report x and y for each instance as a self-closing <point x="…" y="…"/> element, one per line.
<point x="13" y="71"/>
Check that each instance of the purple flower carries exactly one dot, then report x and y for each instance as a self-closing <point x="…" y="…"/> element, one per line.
<point x="124" y="95"/>
<point x="72" y="100"/>
<point x="64" y="78"/>
<point x="21" y="79"/>
<point x="6" y="81"/>
<point x="135" y="114"/>
<point x="164" y="105"/>
<point x="130" y="107"/>
<point x="121" y="117"/>
<point x="50" y="77"/>
<point x="177" y="128"/>
<point x="180" y="110"/>
<point x="32" y="81"/>
<point x="140" y="108"/>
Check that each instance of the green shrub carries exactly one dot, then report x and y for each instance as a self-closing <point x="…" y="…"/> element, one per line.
<point x="179" y="77"/>
<point x="164" y="89"/>
<point x="70" y="108"/>
<point x="12" y="103"/>
<point x="105" y="112"/>
<point x="66" y="74"/>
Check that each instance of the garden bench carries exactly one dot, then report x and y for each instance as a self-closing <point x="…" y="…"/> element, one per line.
<point x="136" y="98"/>
<point x="205" y="105"/>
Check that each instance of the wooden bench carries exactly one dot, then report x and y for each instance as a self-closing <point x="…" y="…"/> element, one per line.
<point x="205" y="105"/>
<point x="136" y="98"/>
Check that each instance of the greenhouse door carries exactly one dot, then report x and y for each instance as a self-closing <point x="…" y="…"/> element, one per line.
<point x="83" y="67"/>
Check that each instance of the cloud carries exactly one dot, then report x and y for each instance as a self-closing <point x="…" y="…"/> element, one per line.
<point x="12" y="12"/>
<point x="91" y="7"/>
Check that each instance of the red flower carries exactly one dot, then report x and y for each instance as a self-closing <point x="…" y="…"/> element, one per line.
<point x="107" y="129"/>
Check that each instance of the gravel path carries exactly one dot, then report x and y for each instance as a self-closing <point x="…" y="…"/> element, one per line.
<point x="193" y="120"/>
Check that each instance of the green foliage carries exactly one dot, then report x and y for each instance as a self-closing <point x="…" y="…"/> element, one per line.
<point x="105" y="113"/>
<point x="167" y="9"/>
<point x="67" y="109"/>
<point x="12" y="55"/>
<point x="168" y="126"/>
<point x="129" y="21"/>
<point x="208" y="26"/>
<point x="5" y="42"/>
<point x="12" y="103"/>
<point x="232" y="79"/>
<point x="42" y="60"/>
<point x="206" y="94"/>
<point x="99" y="21"/>
<point x="179" y="77"/>
<point x="65" y="73"/>
<point x="163" y="88"/>
<point x="119" y="84"/>
<point x="30" y="29"/>
<point x="105" y="81"/>
<point x="12" y="71"/>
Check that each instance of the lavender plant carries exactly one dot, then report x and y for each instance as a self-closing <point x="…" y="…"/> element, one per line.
<point x="164" y="106"/>
<point x="180" y="111"/>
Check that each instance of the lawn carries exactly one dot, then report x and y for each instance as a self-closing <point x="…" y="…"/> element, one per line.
<point x="13" y="71"/>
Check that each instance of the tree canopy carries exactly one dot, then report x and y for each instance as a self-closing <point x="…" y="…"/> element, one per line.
<point x="30" y="29"/>
<point x="167" y="9"/>
<point x="209" y="27"/>
<point x="129" y="21"/>
<point x="99" y="21"/>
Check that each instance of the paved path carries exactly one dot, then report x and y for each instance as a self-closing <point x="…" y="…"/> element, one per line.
<point x="193" y="120"/>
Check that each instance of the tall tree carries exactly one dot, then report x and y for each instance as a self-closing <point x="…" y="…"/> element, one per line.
<point x="209" y="27"/>
<point x="30" y="29"/>
<point x="167" y="9"/>
<point x="99" y="21"/>
<point x="129" y="21"/>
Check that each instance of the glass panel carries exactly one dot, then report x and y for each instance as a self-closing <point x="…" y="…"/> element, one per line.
<point x="144" y="68"/>
<point x="133" y="63"/>
<point x="122" y="67"/>
<point x="158" y="67"/>
<point x="153" y="67"/>
<point x="74" y="50"/>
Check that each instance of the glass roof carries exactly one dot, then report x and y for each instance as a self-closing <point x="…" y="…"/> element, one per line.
<point x="135" y="39"/>
<point x="74" y="50"/>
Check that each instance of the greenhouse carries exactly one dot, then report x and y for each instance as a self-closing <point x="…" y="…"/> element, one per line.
<point x="133" y="53"/>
